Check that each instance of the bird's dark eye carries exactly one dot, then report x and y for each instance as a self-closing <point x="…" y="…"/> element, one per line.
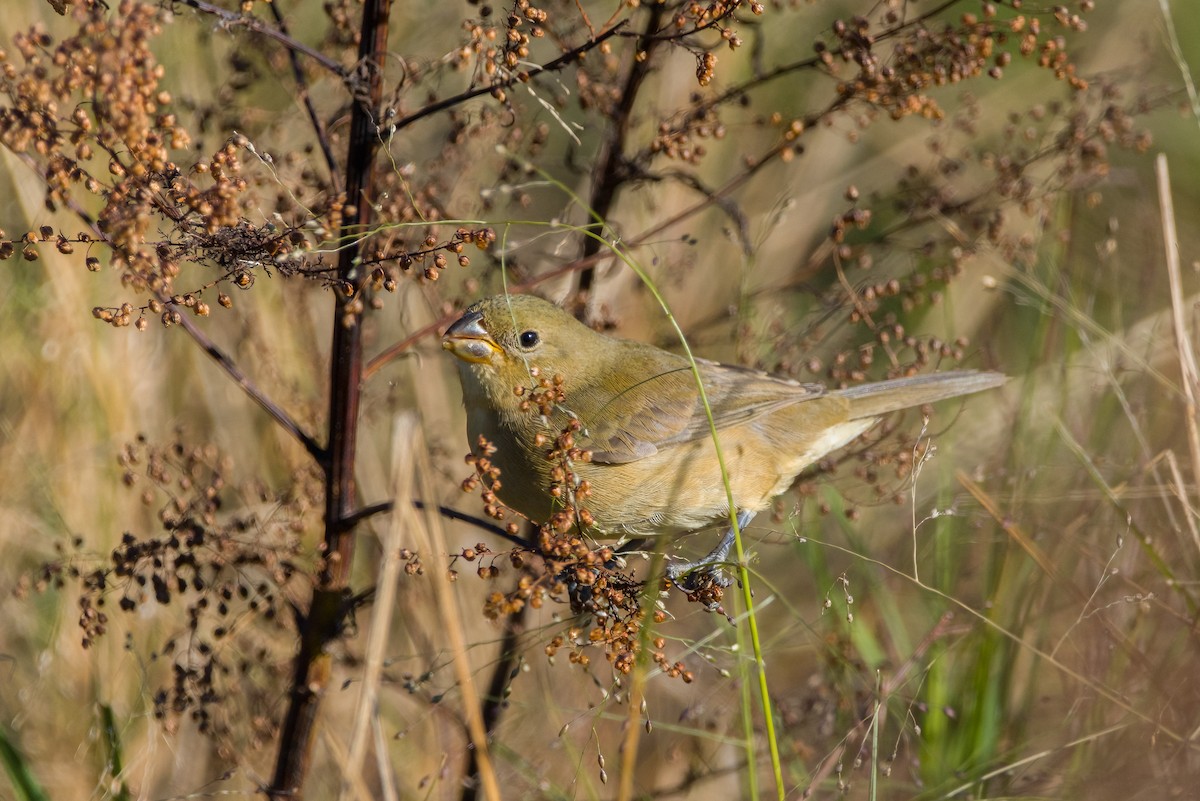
<point x="529" y="339"/>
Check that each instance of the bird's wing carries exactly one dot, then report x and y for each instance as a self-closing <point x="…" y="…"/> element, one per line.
<point x="665" y="408"/>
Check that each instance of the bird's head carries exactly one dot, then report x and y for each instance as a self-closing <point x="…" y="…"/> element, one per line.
<point x="504" y="340"/>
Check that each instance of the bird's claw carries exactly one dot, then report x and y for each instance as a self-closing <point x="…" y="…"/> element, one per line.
<point x="694" y="576"/>
<point x="702" y="583"/>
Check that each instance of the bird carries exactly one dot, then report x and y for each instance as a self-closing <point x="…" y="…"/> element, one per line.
<point x="646" y="453"/>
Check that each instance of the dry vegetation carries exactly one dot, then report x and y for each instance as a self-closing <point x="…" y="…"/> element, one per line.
<point x="233" y="230"/>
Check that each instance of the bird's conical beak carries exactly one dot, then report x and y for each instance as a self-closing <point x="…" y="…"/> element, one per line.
<point x="469" y="340"/>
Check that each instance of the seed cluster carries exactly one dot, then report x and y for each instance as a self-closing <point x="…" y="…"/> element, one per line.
<point x="229" y="573"/>
<point x="89" y="113"/>
<point x="933" y="57"/>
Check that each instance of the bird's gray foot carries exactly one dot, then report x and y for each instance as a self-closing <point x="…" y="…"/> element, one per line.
<point x="693" y="577"/>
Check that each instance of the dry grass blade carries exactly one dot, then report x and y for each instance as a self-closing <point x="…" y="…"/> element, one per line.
<point x="1187" y="357"/>
<point x="1010" y="527"/>
<point x="433" y="535"/>
<point x="1179" y="488"/>
<point x="404" y="438"/>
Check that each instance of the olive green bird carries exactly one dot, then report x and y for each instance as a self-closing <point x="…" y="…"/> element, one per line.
<point x="654" y="469"/>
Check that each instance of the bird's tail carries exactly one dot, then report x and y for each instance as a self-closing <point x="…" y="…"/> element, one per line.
<point x="874" y="400"/>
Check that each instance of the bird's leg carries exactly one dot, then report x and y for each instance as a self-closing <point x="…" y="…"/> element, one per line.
<point x="690" y="575"/>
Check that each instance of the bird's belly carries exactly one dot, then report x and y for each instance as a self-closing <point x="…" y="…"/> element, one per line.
<point x="679" y="488"/>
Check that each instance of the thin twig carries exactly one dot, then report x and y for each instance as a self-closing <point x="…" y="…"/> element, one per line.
<point x="763" y="78"/>
<point x="445" y="511"/>
<point x="550" y="66"/>
<point x="729" y="207"/>
<point x="335" y="174"/>
<point x="609" y="175"/>
<point x="226" y="363"/>
<point x="230" y="19"/>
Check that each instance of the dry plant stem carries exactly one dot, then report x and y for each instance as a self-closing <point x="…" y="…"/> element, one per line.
<point x="890" y="33"/>
<point x="636" y="715"/>
<point x="1116" y="698"/>
<point x="763" y="78"/>
<point x="451" y="623"/>
<point x="1009" y="526"/>
<point x="1152" y="463"/>
<point x="395" y="351"/>
<point x="633" y="733"/>
<point x="610" y="173"/>
<point x="387" y="776"/>
<point x="445" y="511"/>
<point x="404" y="438"/>
<point x="1011" y="767"/>
<point x="1147" y="542"/>
<point x="323" y="623"/>
<point x="1179" y="487"/>
<point x="1084" y="322"/>
<point x="729" y="186"/>
<point x="1177" y="54"/>
<point x="341" y="757"/>
<point x="1187" y="358"/>
<point x="493" y="702"/>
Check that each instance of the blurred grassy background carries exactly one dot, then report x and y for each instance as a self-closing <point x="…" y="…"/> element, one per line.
<point x="1035" y="638"/>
